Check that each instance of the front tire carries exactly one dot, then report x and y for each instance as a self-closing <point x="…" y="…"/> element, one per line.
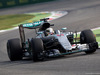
<point x="14" y="49"/>
<point x="87" y="37"/>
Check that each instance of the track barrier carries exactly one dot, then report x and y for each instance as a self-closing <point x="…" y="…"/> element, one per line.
<point x="10" y="3"/>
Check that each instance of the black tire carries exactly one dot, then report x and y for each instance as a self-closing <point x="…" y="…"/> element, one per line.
<point x="37" y="49"/>
<point x="14" y="49"/>
<point x="87" y="37"/>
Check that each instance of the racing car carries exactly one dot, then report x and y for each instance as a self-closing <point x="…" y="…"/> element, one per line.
<point x="49" y="42"/>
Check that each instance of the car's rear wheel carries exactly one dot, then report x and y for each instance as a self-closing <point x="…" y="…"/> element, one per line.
<point x="37" y="49"/>
<point x="14" y="49"/>
<point x="87" y="37"/>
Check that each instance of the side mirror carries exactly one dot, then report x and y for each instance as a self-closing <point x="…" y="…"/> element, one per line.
<point x="64" y="28"/>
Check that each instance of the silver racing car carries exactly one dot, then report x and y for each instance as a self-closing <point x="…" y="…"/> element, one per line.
<point x="49" y="42"/>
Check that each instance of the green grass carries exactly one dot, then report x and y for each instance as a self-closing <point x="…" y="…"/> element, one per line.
<point x="10" y="21"/>
<point x="97" y="33"/>
<point x="7" y="21"/>
<point x="39" y="16"/>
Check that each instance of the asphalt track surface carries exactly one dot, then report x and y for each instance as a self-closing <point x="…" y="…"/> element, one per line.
<point x="83" y="14"/>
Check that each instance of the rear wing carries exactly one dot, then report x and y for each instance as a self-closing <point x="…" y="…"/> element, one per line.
<point x="32" y="25"/>
<point x="35" y="25"/>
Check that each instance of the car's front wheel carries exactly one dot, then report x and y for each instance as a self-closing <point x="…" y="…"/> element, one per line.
<point x="87" y="37"/>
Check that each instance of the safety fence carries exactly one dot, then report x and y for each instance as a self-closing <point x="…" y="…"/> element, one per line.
<point x="9" y="3"/>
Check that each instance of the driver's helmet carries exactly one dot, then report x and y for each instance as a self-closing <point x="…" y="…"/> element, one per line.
<point x="49" y="31"/>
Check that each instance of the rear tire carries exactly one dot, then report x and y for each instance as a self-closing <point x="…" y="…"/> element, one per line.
<point x="37" y="49"/>
<point x="87" y="37"/>
<point x="14" y="49"/>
